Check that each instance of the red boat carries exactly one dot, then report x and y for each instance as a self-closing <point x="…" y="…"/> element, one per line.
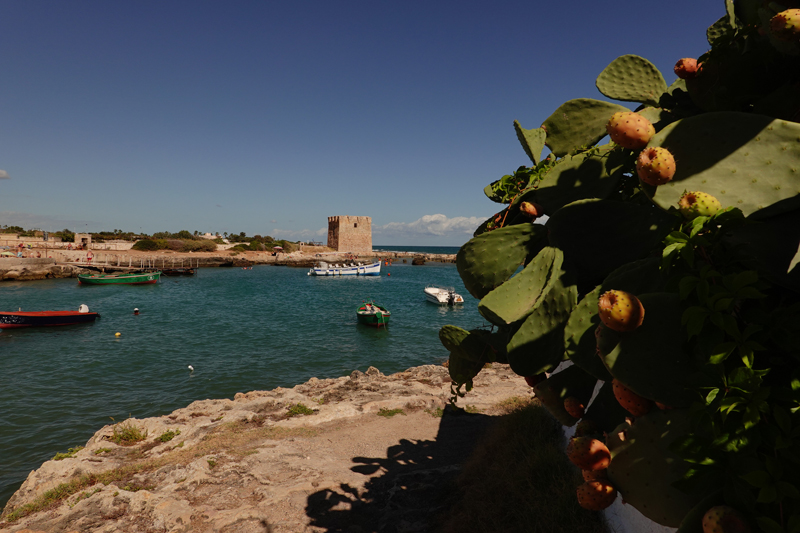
<point x="27" y="319"/>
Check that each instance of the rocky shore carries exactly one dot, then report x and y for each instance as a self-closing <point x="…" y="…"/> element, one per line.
<point x="70" y="264"/>
<point x="365" y="452"/>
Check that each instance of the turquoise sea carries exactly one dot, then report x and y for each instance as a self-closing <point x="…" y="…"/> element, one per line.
<point x="241" y="330"/>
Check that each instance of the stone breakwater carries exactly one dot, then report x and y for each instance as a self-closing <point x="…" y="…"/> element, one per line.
<point x="313" y="458"/>
<point x="31" y="269"/>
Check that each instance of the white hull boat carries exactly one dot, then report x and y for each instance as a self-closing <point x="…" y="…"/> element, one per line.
<point x="350" y="269"/>
<point x="443" y="295"/>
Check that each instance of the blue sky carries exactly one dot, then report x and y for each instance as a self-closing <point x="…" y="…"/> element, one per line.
<point x="267" y="117"/>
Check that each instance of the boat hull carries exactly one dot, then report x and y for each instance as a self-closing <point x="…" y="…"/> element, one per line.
<point x="119" y="279"/>
<point x="373" y="269"/>
<point x="178" y="272"/>
<point x="375" y="318"/>
<point x="441" y="296"/>
<point x="29" y="319"/>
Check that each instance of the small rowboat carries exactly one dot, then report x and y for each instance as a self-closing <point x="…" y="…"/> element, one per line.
<point x="371" y="314"/>
<point x="178" y="271"/>
<point x="27" y="319"/>
<point x="139" y="278"/>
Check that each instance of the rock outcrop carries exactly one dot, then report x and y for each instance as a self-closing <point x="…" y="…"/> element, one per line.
<point x="313" y="458"/>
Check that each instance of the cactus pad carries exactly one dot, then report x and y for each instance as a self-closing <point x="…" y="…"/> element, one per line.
<point x="577" y="123"/>
<point x="571" y="381"/>
<point x="488" y="260"/>
<point x="516" y="298"/>
<point x="632" y="78"/>
<point x="650" y="360"/>
<point x="744" y="160"/>
<point x="585" y="175"/>
<point x="532" y="141"/>
<point x="643" y="468"/>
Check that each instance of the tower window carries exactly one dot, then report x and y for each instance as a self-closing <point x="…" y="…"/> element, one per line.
<point x="355" y="224"/>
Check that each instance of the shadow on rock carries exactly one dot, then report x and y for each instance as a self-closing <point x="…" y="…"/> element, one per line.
<point x="407" y="488"/>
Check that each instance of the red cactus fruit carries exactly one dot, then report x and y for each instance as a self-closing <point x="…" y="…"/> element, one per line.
<point x="620" y="311"/>
<point x="574" y="407"/>
<point x="630" y="401"/>
<point x="724" y="519"/>
<point x="588" y="454"/>
<point x="786" y="25"/>
<point x="696" y="204"/>
<point x="531" y="209"/>
<point x="687" y="68"/>
<point x="630" y="130"/>
<point x="587" y="427"/>
<point x="596" y="495"/>
<point x="663" y="406"/>
<point x="532" y="381"/>
<point x="655" y="165"/>
<point x="595" y="475"/>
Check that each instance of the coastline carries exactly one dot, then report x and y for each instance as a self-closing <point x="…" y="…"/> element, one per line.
<point x="247" y="464"/>
<point x="70" y="263"/>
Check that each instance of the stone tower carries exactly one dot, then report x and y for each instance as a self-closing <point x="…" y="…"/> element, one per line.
<point x="350" y="234"/>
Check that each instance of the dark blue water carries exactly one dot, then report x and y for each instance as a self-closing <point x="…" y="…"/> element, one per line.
<point x="420" y="249"/>
<point x="242" y="330"/>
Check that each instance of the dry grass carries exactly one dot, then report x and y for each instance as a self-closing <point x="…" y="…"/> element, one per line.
<point x="236" y="439"/>
<point x="519" y="480"/>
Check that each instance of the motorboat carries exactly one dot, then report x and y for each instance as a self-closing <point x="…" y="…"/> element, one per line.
<point x="443" y="295"/>
<point x="133" y="278"/>
<point x="346" y="269"/>
<point x="27" y="319"/>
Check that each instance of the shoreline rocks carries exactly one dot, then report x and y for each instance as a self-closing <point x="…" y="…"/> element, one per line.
<point x="266" y="460"/>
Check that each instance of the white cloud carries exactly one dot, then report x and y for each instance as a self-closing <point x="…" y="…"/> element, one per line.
<point x="4" y="175"/>
<point x="429" y="225"/>
<point x="299" y="235"/>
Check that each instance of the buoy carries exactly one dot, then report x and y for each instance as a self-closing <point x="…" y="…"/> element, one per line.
<point x="118" y="334"/>
<point x="135" y="310"/>
<point x="191" y="368"/>
<point x="388" y="273"/>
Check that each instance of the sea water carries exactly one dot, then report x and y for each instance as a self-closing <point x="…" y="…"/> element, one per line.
<point x="241" y="330"/>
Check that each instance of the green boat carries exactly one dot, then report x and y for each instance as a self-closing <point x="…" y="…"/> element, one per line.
<point x="132" y="278"/>
<point x="371" y="314"/>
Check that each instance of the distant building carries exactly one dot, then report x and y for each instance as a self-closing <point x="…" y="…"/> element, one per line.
<point x="350" y="234"/>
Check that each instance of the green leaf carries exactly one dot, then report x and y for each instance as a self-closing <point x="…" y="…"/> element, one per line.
<point x="687" y="285"/>
<point x="768" y="525"/>
<point x="787" y="489"/>
<point x="767" y="495"/>
<point x="711" y="396"/>
<point x="675" y="237"/>
<point x="758" y="478"/>
<point x="782" y="418"/>
<point x="722" y="352"/>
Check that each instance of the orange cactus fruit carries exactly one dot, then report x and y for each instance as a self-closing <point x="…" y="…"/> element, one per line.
<point x="574" y="407"/>
<point x="786" y="25"/>
<point x="588" y="454"/>
<point x="724" y="519"/>
<point x="596" y="495"/>
<point x="531" y="209"/>
<point x="630" y="401"/>
<point x="687" y="68"/>
<point x="587" y="427"/>
<point x="630" y="130"/>
<point x="621" y="311"/>
<point x="655" y="165"/>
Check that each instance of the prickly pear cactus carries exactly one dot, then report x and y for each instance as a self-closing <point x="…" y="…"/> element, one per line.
<point x="707" y="241"/>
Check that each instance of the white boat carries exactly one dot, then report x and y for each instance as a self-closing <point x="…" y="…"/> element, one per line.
<point x="349" y="269"/>
<point x="443" y="295"/>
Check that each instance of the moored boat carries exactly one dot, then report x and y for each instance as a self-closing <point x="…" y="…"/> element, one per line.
<point x="27" y="319"/>
<point x="372" y="314"/>
<point x="350" y="269"/>
<point x="177" y="271"/>
<point x="443" y="295"/>
<point x="128" y="278"/>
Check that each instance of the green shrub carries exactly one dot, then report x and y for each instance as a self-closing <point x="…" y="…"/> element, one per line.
<point x="71" y="453"/>
<point x="199" y="246"/>
<point x="126" y="434"/>
<point x="299" y="410"/>
<point x="168" y="435"/>
<point x="145" y="245"/>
